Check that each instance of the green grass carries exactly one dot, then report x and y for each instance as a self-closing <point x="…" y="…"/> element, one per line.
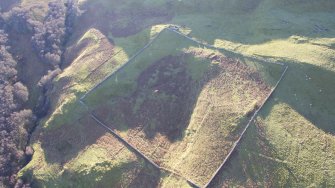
<point x="65" y="115"/>
<point x="284" y="150"/>
<point x="92" y="167"/>
<point x="226" y="114"/>
<point x="170" y="180"/>
<point x="68" y="112"/>
<point x="123" y="82"/>
<point x="293" y="145"/>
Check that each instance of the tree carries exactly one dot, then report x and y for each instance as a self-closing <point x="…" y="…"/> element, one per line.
<point x="49" y="36"/>
<point x="16" y="20"/>
<point x="13" y="120"/>
<point x="21" y="92"/>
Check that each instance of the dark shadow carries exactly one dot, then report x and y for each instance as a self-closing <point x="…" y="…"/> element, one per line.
<point x="147" y="177"/>
<point x="224" y="174"/>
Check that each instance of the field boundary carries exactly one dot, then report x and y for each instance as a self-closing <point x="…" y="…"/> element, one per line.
<point x="134" y="149"/>
<point x="130" y="146"/>
<point x="246" y="127"/>
<point x="92" y="72"/>
<point x="139" y="152"/>
<point x="122" y="66"/>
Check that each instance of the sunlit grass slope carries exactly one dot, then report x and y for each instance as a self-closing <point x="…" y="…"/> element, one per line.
<point x="282" y="153"/>
<point x="67" y="152"/>
<point x="301" y="34"/>
<point x="183" y="105"/>
<point x="292" y="142"/>
<point x="294" y="135"/>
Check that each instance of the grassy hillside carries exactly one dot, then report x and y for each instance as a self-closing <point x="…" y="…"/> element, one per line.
<point x="280" y="154"/>
<point x="291" y="144"/>
<point x="175" y="93"/>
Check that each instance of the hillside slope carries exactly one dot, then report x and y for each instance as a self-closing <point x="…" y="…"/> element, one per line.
<point x="293" y="134"/>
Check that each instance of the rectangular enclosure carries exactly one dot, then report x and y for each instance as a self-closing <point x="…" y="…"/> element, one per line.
<point x="181" y="104"/>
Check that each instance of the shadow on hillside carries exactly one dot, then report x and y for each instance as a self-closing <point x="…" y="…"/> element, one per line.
<point x="246" y="167"/>
<point x="243" y="22"/>
<point x="121" y="19"/>
<point x="309" y="90"/>
<point x="304" y="84"/>
<point x="64" y="144"/>
<point x="248" y="34"/>
<point x="147" y="177"/>
<point x="163" y="100"/>
<point x="258" y="26"/>
<point x="130" y="174"/>
<point x="162" y="103"/>
<point x="68" y="142"/>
